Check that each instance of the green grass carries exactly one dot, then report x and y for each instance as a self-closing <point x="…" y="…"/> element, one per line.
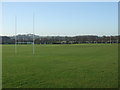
<point x="61" y="66"/>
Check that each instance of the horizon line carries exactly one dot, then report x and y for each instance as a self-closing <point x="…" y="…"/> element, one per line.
<point x="62" y="35"/>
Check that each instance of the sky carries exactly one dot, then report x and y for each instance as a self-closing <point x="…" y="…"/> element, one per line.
<point x="60" y="18"/>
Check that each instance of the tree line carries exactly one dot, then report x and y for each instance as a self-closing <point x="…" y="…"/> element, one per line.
<point x="28" y="39"/>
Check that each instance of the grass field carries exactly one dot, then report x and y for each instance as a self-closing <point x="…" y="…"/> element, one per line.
<point x="61" y="66"/>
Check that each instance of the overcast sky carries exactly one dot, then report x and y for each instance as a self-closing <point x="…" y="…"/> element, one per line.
<point x="61" y="18"/>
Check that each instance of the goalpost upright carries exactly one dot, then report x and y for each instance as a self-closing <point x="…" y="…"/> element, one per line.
<point x="110" y="40"/>
<point x="33" y="33"/>
<point x="15" y="34"/>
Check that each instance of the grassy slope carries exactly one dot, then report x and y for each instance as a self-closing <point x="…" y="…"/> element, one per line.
<point x="82" y="66"/>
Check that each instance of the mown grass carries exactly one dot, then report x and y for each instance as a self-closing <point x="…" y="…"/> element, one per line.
<point x="61" y="66"/>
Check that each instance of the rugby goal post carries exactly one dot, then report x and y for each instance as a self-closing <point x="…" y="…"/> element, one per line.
<point x="16" y="40"/>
